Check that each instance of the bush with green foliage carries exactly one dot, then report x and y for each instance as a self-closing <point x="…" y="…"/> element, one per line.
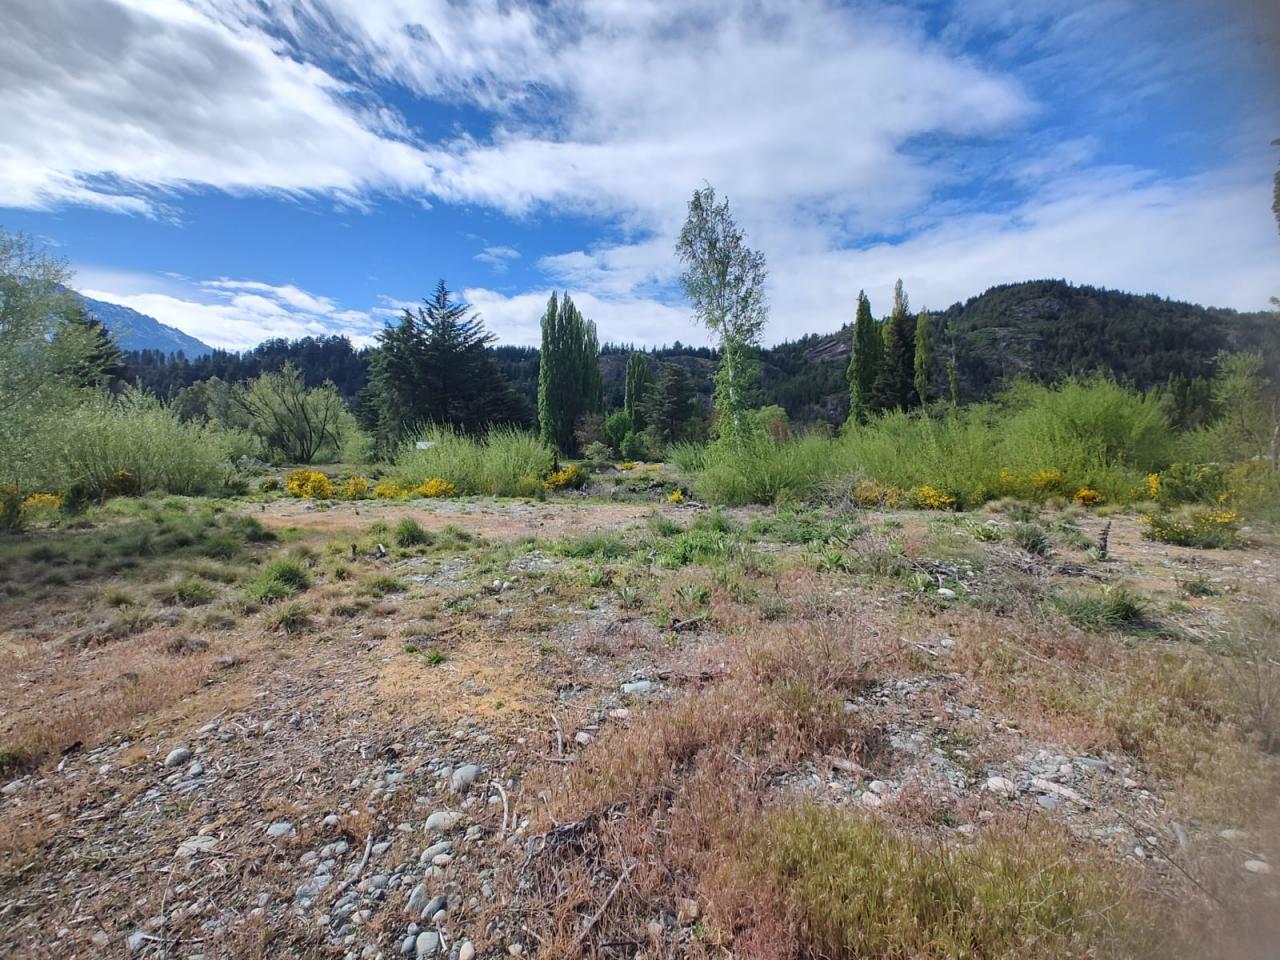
<point x="505" y="462"/>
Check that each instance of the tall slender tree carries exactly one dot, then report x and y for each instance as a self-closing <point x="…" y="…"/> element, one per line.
<point x="724" y="279"/>
<point x="895" y="387"/>
<point x="923" y="360"/>
<point x="636" y="387"/>
<point x="569" y="383"/>
<point x="864" y="361"/>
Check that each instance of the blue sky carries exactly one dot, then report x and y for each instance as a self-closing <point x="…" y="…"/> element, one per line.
<point x="244" y="169"/>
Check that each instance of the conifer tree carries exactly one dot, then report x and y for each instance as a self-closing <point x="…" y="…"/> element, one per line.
<point x="671" y="407"/>
<point x="569" y="382"/>
<point x="97" y="362"/>
<point x="895" y="387"/>
<point x="864" y="361"/>
<point x="923" y="361"/>
<point x="639" y="380"/>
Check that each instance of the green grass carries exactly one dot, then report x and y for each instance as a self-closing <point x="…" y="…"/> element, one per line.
<point x="850" y="885"/>
<point x="278" y="580"/>
<point x="291" y="617"/>
<point x="1111" y="608"/>
<point x="694" y="546"/>
<point x="505" y="462"/>
<point x="382" y="585"/>
<point x="189" y="593"/>
<point x="602" y="546"/>
<point x="409" y="533"/>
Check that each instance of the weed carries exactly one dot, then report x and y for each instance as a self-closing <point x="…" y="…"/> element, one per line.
<point x="279" y="580"/>
<point x="409" y="533"/>
<point x="289" y="617"/>
<point x="436" y="656"/>
<point x="382" y="585"/>
<point x="1111" y="608"/>
<point x="604" y="546"/>
<point x="1198" y="586"/>
<point x="1032" y="538"/>
<point x="189" y="593"/>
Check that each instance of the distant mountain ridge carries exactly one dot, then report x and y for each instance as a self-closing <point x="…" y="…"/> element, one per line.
<point x="137" y="331"/>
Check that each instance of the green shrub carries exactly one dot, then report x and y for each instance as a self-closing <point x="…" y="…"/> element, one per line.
<point x="694" y="546"/>
<point x="189" y="593"/>
<point x="686" y="456"/>
<point x="1031" y="537"/>
<point x="290" y="617"/>
<point x="278" y="580"/>
<point x="1208" y="529"/>
<point x="410" y="533"/>
<point x="1111" y="608"/>
<point x="605" y="546"/>
<point x="505" y="462"/>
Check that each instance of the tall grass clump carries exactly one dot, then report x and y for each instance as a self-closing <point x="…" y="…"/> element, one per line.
<point x="135" y="444"/>
<point x="760" y="469"/>
<point x="505" y="462"/>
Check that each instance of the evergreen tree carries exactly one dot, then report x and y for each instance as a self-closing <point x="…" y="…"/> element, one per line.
<point x="672" y="405"/>
<point x="724" y="279"/>
<point x="923" y="361"/>
<point x="864" y="361"/>
<point x="636" y="388"/>
<point x="434" y="367"/>
<point x="895" y="387"/>
<point x="569" y="383"/>
<point x="97" y="362"/>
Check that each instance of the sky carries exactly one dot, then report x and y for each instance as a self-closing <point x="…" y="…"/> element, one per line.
<point x="246" y="169"/>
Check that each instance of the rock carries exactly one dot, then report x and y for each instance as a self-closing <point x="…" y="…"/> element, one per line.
<point x="427" y="944"/>
<point x="417" y="900"/>
<point x="408" y="946"/>
<point x="196" y="769"/>
<point x="1232" y="834"/>
<point x="464" y="777"/>
<point x="433" y="851"/>
<point x="877" y="786"/>
<point x="619" y="713"/>
<point x="582" y="738"/>
<point x="434" y="906"/>
<point x="442" y="821"/>
<point x="178" y="757"/>
<point x="192" y="846"/>
<point x="1046" y="800"/>
<point x="281" y="830"/>
<point x="870" y="799"/>
<point x="136" y="940"/>
<point x="1001" y="785"/>
<point x="637" y="686"/>
<point x="1257" y="866"/>
<point x="686" y="911"/>
<point x="467" y="951"/>
<point x="331" y="821"/>
<point x="946" y="593"/>
<point x="1057" y="789"/>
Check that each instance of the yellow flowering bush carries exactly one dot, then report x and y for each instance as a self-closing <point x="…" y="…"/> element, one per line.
<point x="391" y="489"/>
<point x="1152" y="486"/>
<point x="926" y="497"/>
<point x="122" y="483"/>
<point x="677" y="496"/>
<point x="1087" y="497"/>
<point x="1047" y="482"/>
<point x="42" y="501"/>
<point x="436" y="487"/>
<point x="308" y="483"/>
<point x="1209" y="529"/>
<point x="627" y="465"/>
<point x="354" y="488"/>
<point x="868" y="493"/>
<point x="572" y="476"/>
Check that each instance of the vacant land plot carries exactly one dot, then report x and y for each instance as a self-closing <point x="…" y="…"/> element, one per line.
<point x="459" y="728"/>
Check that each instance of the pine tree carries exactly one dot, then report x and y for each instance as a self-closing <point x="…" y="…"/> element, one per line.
<point x="895" y="387"/>
<point x="569" y="382"/>
<point x="923" y="360"/>
<point x="636" y="388"/>
<point x="434" y="367"/>
<point x="672" y="405"/>
<point x="864" y="361"/>
<point x="97" y="362"/>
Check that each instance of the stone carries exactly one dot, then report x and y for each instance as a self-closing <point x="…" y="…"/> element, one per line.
<point x="1001" y="785"/>
<point x="193" y="846"/>
<point x="434" y="906"/>
<point x="417" y="900"/>
<point x="1057" y="789"/>
<point x="408" y="946"/>
<point x="464" y="777"/>
<point x="1232" y="834"/>
<point x="1257" y="866"/>
<point x="280" y="830"/>
<point x="195" y="769"/>
<point x="331" y="821"/>
<point x="687" y="911"/>
<point x="467" y="951"/>
<point x="177" y="757"/>
<point x="877" y="786"/>
<point x="637" y="686"/>
<point x="946" y="593"/>
<point x="582" y="738"/>
<point x="427" y="944"/>
<point x="442" y="821"/>
<point x="136" y="941"/>
<point x="433" y="851"/>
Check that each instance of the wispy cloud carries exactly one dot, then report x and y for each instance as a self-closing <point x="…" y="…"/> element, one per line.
<point x="497" y="257"/>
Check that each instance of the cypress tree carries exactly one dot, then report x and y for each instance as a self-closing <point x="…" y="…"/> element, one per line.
<point x="923" y="361"/>
<point x="864" y="361"/>
<point x="636" y="388"/>
<point x="895" y="387"/>
<point x="569" y="383"/>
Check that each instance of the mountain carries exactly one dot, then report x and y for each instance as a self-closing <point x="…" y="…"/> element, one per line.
<point x="136" y="331"/>
<point x="1042" y="330"/>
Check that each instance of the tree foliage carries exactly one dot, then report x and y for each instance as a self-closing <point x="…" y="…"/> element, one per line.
<point x="295" y="423"/>
<point x="638" y="381"/>
<point x="569" y="383"/>
<point x="724" y="280"/>
<point x="895" y="386"/>
<point x="433" y="367"/>
<point x="672" y="407"/>
<point x="865" y="358"/>
<point x="923" y="360"/>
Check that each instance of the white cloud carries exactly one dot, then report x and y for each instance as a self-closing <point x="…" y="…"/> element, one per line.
<point x="232" y="314"/>
<point x="516" y="318"/>
<point x="497" y="257"/>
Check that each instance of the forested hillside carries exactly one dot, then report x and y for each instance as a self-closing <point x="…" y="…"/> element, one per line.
<point x="1040" y="329"/>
